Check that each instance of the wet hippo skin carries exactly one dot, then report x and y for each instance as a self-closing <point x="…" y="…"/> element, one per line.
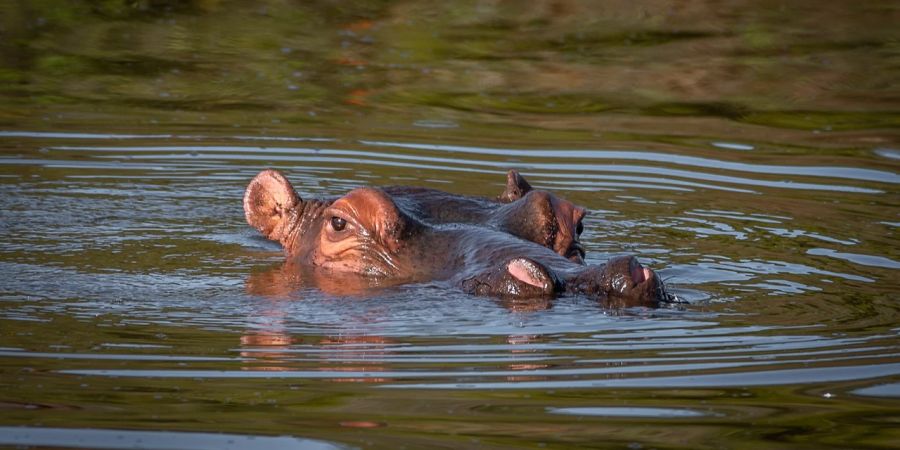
<point x="533" y="215"/>
<point x="509" y="247"/>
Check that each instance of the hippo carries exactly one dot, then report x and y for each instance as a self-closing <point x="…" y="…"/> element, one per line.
<point x="508" y="247"/>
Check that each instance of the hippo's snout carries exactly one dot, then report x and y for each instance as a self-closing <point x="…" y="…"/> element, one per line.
<point x="620" y="283"/>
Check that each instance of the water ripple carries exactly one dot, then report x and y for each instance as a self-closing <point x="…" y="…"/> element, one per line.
<point x="621" y="411"/>
<point x="157" y="440"/>
<point x="340" y="157"/>
<point x="865" y="260"/>
<point x="815" y="171"/>
<point x="741" y="379"/>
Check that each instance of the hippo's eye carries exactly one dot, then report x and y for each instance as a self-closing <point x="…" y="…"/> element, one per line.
<point x="579" y="229"/>
<point x="338" y="224"/>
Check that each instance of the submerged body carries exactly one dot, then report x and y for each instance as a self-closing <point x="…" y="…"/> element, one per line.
<point x="523" y="245"/>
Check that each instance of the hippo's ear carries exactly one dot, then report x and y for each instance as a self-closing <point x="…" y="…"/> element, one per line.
<point x="516" y="187"/>
<point x="268" y="202"/>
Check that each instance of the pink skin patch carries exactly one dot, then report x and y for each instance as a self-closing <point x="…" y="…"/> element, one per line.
<point x="526" y="272"/>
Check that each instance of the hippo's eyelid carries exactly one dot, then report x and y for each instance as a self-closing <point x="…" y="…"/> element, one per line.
<point x="335" y="211"/>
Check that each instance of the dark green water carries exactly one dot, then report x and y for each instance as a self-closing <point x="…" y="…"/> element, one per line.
<point x="748" y="151"/>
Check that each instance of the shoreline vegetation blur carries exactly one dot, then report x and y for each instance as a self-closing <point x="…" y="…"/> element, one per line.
<point x="822" y="72"/>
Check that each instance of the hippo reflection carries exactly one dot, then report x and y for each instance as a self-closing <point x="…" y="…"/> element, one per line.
<point x="524" y="244"/>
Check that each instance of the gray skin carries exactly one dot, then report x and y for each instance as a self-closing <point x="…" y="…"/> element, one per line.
<point x="367" y="234"/>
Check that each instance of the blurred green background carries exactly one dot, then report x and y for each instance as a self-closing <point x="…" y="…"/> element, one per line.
<point x="568" y="65"/>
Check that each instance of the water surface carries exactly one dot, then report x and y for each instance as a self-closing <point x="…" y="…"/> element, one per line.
<point x="749" y="160"/>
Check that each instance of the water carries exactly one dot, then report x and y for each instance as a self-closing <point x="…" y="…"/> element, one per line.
<point x="138" y="310"/>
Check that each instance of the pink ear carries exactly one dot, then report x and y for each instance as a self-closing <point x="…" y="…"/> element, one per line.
<point x="516" y="187"/>
<point x="268" y="200"/>
<point x="528" y="272"/>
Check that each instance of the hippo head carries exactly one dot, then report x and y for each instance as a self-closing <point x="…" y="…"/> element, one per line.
<point x="541" y="217"/>
<point x="361" y="232"/>
<point x="545" y="219"/>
